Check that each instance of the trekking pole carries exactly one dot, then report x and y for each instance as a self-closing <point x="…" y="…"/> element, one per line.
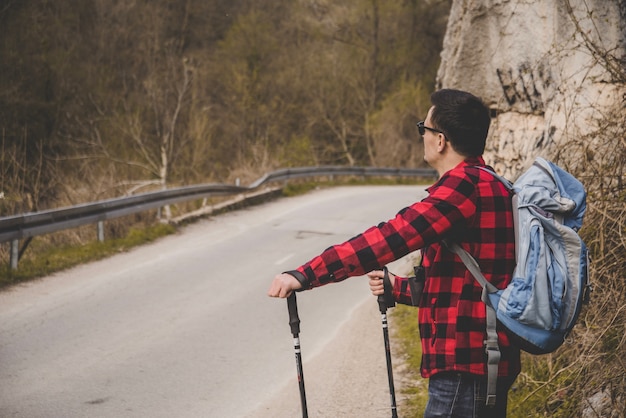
<point x="294" y="323"/>
<point x="384" y="301"/>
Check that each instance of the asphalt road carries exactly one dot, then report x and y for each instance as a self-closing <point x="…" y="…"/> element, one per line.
<point x="183" y="327"/>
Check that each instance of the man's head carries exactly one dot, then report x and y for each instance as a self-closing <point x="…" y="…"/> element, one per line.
<point x="462" y="118"/>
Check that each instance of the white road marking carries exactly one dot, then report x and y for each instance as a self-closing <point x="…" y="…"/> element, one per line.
<point x="285" y="258"/>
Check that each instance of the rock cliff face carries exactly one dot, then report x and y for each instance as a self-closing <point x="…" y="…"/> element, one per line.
<point x="549" y="70"/>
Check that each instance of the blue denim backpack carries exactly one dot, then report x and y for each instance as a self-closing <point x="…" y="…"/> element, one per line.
<point x="550" y="281"/>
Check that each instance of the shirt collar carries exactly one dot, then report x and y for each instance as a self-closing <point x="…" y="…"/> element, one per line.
<point x="469" y="161"/>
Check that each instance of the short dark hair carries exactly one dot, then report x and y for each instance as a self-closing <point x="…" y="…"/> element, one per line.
<point x="463" y="118"/>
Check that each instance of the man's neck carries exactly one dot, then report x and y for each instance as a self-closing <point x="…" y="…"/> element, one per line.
<point x="448" y="163"/>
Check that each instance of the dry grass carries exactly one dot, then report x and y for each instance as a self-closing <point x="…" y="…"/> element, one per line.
<point x="587" y="376"/>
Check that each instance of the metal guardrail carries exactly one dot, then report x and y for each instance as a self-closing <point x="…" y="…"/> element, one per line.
<point x="28" y="225"/>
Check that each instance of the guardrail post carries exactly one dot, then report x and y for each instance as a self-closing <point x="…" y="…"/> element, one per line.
<point x="15" y="253"/>
<point x="101" y="231"/>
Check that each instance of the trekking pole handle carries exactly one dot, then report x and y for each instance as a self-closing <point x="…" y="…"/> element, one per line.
<point x="386" y="299"/>
<point x="294" y="320"/>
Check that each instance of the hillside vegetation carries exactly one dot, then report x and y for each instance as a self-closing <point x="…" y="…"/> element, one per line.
<point x="100" y="98"/>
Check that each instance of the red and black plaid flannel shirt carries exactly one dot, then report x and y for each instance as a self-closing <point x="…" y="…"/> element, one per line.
<point x="468" y="206"/>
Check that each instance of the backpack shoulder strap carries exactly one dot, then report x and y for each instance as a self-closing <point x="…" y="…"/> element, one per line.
<point x="504" y="181"/>
<point x="491" y="343"/>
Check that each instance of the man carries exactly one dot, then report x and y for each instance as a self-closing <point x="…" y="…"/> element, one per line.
<point x="467" y="205"/>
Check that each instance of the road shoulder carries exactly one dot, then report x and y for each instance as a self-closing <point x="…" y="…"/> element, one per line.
<point x="347" y="378"/>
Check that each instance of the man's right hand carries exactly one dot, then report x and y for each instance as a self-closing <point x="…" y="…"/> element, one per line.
<point x="376" y="281"/>
<point x="283" y="285"/>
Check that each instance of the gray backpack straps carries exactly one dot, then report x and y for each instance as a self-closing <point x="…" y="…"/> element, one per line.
<point x="491" y="343"/>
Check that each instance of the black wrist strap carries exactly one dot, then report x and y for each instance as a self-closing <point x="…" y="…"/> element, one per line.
<point x="389" y="300"/>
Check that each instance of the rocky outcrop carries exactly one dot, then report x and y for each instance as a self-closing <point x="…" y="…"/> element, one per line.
<point x="549" y="70"/>
<point x="553" y="73"/>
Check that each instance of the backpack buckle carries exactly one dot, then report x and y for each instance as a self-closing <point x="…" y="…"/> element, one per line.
<point x="491" y="345"/>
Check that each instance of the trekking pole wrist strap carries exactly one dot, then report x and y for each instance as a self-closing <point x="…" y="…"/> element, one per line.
<point x="389" y="300"/>
<point x="386" y="299"/>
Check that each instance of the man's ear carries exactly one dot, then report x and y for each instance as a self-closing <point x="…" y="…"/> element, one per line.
<point x="441" y="145"/>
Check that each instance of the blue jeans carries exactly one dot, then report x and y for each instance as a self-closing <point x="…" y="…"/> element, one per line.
<point x="462" y="395"/>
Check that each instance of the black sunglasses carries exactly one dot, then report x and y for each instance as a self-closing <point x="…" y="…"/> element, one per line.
<point x="421" y="128"/>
